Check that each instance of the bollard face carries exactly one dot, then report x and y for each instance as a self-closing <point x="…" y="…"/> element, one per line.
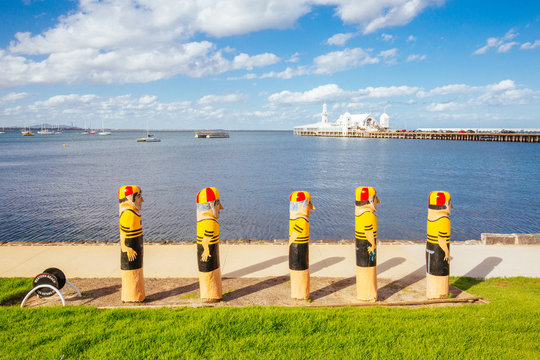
<point x="438" y="244"/>
<point x="299" y="211"/>
<point x="130" y="200"/>
<point x="365" y="233"/>
<point x="208" y="212"/>
<point x="365" y="226"/>
<point x="131" y="234"/>
<point x="438" y="233"/>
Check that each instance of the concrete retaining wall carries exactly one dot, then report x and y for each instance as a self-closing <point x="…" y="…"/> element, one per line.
<point x="510" y="239"/>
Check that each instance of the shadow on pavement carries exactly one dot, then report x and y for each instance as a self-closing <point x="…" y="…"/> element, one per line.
<point x="395" y="286"/>
<point x="477" y="274"/>
<point x="173" y="292"/>
<point x="318" y="266"/>
<point x="388" y="264"/>
<point x="257" y="267"/>
<point x="265" y="284"/>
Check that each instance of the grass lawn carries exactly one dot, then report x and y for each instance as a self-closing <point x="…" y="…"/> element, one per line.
<point x="506" y="328"/>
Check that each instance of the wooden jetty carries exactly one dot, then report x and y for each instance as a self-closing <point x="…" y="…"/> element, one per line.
<point x="480" y="136"/>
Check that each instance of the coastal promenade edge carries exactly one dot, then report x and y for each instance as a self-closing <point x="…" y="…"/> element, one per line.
<point x="395" y="260"/>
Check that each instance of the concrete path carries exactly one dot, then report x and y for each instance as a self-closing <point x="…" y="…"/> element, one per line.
<point x="262" y="260"/>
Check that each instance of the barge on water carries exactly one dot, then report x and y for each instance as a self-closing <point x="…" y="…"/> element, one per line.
<point x="211" y="134"/>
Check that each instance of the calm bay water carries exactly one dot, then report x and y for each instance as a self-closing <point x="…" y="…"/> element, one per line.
<point x="52" y="192"/>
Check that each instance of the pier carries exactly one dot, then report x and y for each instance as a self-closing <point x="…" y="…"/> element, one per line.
<point x="468" y="136"/>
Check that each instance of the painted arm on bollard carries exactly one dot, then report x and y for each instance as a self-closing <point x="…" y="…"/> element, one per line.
<point x="131" y="254"/>
<point x="127" y="226"/>
<point x="206" y="249"/>
<point x="294" y="236"/>
<point x="444" y="247"/>
<point x="371" y="249"/>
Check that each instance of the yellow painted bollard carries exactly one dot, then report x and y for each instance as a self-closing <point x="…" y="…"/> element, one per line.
<point x="365" y="229"/>
<point x="299" y="211"/>
<point x="131" y="243"/>
<point x="438" y="245"/>
<point x="208" y="209"/>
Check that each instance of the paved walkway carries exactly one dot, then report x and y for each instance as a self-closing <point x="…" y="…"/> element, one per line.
<point x="263" y="260"/>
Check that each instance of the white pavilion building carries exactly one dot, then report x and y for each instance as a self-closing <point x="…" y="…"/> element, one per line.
<point x="346" y="125"/>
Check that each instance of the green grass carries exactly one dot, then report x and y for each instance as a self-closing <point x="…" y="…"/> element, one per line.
<point x="508" y="327"/>
<point x="13" y="287"/>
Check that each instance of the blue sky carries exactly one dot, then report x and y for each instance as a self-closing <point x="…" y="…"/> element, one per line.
<point x="248" y="64"/>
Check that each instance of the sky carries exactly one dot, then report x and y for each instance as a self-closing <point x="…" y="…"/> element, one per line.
<point x="269" y="65"/>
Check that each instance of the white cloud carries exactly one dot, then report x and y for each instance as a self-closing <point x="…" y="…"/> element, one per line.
<point x="386" y="92"/>
<point x="244" y="61"/>
<point x="506" y="47"/>
<point x="415" y="57"/>
<point x="342" y="60"/>
<point x="502" y="44"/>
<point x="530" y="46"/>
<point x="377" y="14"/>
<point x="294" y="58"/>
<point x="448" y="106"/>
<point x="330" y="92"/>
<point x="13" y="97"/>
<point x="387" y="37"/>
<point x="288" y="73"/>
<point x="411" y="38"/>
<point x="503" y="93"/>
<point x="340" y="39"/>
<point x="389" y="56"/>
<point x="333" y="92"/>
<point x="124" y="41"/>
<point x="222" y="99"/>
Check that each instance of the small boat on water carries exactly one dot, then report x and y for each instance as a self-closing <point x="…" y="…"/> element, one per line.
<point x="45" y="131"/>
<point x="149" y="138"/>
<point x="103" y="132"/>
<point x="27" y="132"/>
<point x="210" y="134"/>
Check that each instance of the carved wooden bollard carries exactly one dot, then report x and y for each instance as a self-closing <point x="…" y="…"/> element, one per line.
<point x="131" y="243"/>
<point x="365" y="226"/>
<point x="438" y="245"/>
<point x="299" y="211"/>
<point x="208" y="209"/>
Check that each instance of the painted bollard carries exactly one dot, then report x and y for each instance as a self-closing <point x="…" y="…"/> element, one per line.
<point x="365" y="229"/>
<point x="208" y="209"/>
<point x="438" y="245"/>
<point x="299" y="211"/>
<point x="131" y="243"/>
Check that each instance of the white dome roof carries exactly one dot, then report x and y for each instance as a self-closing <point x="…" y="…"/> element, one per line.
<point x="384" y="120"/>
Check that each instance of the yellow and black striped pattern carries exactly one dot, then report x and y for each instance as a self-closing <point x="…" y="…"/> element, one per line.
<point x="439" y="228"/>
<point x="208" y="228"/>
<point x="301" y="227"/>
<point x="130" y="224"/>
<point x="364" y="223"/>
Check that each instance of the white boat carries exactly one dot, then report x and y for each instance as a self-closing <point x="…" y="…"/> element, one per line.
<point x="149" y="138"/>
<point x="103" y="132"/>
<point x="27" y="132"/>
<point x="45" y="131"/>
